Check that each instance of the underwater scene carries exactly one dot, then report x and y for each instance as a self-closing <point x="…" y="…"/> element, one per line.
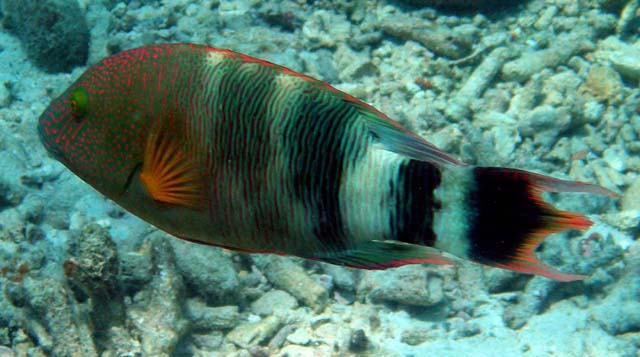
<point x="350" y="178"/>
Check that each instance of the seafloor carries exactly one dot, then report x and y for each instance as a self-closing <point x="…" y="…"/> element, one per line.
<point x="550" y="86"/>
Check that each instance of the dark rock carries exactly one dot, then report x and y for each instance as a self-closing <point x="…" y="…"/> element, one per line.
<point x="209" y="272"/>
<point x="358" y="341"/>
<point x="54" y="33"/>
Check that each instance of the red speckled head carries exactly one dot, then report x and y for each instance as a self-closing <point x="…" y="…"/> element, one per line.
<point x="97" y="126"/>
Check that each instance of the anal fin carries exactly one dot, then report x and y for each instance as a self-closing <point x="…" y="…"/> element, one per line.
<point x="384" y="254"/>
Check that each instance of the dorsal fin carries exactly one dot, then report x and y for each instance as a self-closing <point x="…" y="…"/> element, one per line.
<point x="391" y="134"/>
<point x="400" y="140"/>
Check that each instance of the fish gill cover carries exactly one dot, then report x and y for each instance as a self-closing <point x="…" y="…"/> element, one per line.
<point x="550" y="87"/>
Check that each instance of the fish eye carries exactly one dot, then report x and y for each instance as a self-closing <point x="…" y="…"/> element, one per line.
<point x="79" y="102"/>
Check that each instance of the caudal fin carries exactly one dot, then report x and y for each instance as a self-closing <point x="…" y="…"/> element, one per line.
<point x="510" y="218"/>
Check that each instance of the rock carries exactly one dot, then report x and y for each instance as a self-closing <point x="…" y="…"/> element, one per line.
<point x="505" y="139"/>
<point x="274" y="301"/>
<point x="54" y="33"/>
<point x="358" y="341"/>
<point x="545" y="123"/>
<point x="281" y="336"/>
<point x="94" y="268"/>
<point x="439" y="40"/>
<point x="606" y="176"/>
<point x="286" y="14"/>
<point x="209" y="342"/>
<point x="561" y="152"/>
<point x="5" y="95"/>
<point x="319" y="64"/>
<point x="463" y="328"/>
<point x="619" y="312"/>
<point x="530" y="302"/>
<point x="464" y="4"/>
<point x="343" y="278"/>
<point x="300" y="336"/>
<point x="353" y="65"/>
<point x="57" y="327"/>
<point x="624" y="58"/>
<point x="482" y="76"/>
<point x="135" y="270"/>
<point x="631" y="197"/>
<point x="290" y="277"/>
<point x="627" y="16"/>
<point x="593" y="112"/>
<point x="205" y="318"/>
<point x="616" y="157"/>
<point x="6" y="352"/>
<point x="531" y="63"/>
<point x="12" y="192"/>
<point x="208" y="271"/>
<point x="604" y="83"/>
<point x="254" y="333"/>
<point x="414" y="336"/>
<point x="325" y="29"/>
<point x="407" y="285"/>
<point x="95" y="262"/>
<point x="305" y="351"/>
<point x="624" y="220"/>
<point x="500" y="280"/>
<point x="157" y="313"/>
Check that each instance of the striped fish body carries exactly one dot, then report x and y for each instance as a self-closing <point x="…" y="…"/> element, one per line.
<point x="224" y="149"/>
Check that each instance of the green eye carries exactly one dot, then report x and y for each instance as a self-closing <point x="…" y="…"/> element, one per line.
<point x="79" y="103"/>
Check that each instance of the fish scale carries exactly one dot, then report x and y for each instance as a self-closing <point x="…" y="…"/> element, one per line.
<point x="224" y="149"/>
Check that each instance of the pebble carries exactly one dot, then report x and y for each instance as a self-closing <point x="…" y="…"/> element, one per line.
<point x="325" y="29"/>
<point x="408" y="285"/>
<point x="272" y="301"/>
<point x="414" y="336"/>
<point x="208" y="318"/>
<point x="478" y="81"/>
<point x="343" y="278"/>
<point x="615" y="157"/>
<point x="305" y="351"/>
<point x="530" y="63"/>
<point x="441" y="40"/>
<point x="254" y="333"/>
<point x="290" y="277"/>
<point x="208" y="271"/>
<point x="593" y="111"/>
<point x="358" y="341"/>
<point x="301" y="337"/>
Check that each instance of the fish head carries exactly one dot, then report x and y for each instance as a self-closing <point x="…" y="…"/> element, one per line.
<point x="97" y="126"/>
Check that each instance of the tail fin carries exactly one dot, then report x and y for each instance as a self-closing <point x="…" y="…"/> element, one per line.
<point x="510" y="218"/>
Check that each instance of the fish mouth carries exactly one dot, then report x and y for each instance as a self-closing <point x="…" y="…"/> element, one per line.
<point x="129" y="181"/>
<point x="52" y="150"/>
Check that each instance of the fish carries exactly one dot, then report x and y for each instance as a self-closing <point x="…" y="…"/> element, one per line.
<point x="220" y="148"/>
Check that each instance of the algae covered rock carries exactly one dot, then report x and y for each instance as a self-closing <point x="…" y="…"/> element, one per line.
<point x="207" y="271"/>
<point x="157" y="313"/>
<point x="54" y="33"/>
<point x="461" y="4"/>
<point x="290" y="277"/>
<point x="407" y="285"/>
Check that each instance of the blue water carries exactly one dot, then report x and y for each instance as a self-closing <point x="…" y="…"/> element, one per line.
<point x="543" y="86"/>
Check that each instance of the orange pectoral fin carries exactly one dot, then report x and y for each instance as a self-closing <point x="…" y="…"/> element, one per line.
<point x="170" y="174"/>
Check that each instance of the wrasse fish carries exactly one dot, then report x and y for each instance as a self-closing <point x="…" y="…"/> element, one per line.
<point x="228" y="150"/>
